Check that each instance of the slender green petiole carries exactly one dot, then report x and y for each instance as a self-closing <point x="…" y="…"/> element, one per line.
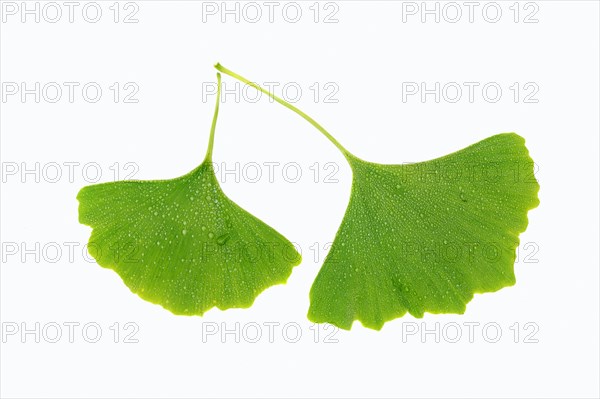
<point x="211" y="140"/>
<point x="310" y="120"/>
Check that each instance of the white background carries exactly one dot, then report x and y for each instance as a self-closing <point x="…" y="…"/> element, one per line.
<point x="368" y="54"/>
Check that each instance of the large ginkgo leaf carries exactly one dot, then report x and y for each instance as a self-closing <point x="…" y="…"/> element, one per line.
<point x="182" y="243"/>
<point x="423" y="237"/>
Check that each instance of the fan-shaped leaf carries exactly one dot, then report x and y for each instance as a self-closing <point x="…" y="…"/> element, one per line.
<point x="182" y="243"/>
<point x="423" y="237"/>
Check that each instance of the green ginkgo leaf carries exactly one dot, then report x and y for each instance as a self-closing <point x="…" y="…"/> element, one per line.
<point x="424" y="237"/>
<point x="181" y="243"/>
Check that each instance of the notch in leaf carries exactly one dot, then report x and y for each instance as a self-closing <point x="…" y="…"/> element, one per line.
<point x="423" y="237"/>
<point x="182" y="243"/>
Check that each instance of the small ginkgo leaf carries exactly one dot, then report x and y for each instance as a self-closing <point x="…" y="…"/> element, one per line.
<point x="423" y="237"/>
<point x="182" y="243"/>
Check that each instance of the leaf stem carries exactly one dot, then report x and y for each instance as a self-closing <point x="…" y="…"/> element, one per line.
<point x="211" y="140"/>
<point x="310" y="120"/>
